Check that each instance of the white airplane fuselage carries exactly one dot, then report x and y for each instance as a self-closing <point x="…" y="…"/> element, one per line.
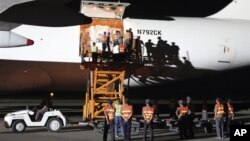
<point x="216" y="43"/>
<point x="209" y="44"/>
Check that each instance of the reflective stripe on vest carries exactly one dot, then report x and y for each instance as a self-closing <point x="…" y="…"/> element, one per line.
<point x="122" y="48"/>
<point x="183" y="110"/>
<point x="148" y="113"/>
<point x="230" y="109"/>
<point x="110" y="112"/>
<point x="126" y="111"/>
<point x="220" y="109"/>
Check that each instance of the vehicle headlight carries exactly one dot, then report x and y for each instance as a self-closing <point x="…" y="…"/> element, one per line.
<point x="10" y="114"/>
<point x="7" y="119"/>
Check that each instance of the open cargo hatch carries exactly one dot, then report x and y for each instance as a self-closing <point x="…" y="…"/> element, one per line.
<point x="100" y="9"/>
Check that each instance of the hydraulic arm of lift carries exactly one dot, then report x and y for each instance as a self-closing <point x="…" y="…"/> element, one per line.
<point x="104" y="85"/>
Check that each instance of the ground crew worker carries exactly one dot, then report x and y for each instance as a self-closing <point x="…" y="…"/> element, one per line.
<point x="120" y="38"/>
<point x="127" y="112"/>
<point x="118" y="118"/>
<point x="104" y="41"/>
<point x="122" y="52"/>
<point x="156" y="109"/>
<point x="190" y="118"/>
<point x="115" y="38"/>
<point x="182" y="112"/>
<point x="128" y="44"/>
<point x="230" y="115"/>
<point x="45" y="105"/>
<point x="109" y="112"/>
<point x="204" y="115"/>
<point x="218" y="117"/>
<point x="94" y="52"/>
<point x="148" y="114"/>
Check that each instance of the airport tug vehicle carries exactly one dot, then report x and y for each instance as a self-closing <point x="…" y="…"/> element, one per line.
<point x="53" y="120"/>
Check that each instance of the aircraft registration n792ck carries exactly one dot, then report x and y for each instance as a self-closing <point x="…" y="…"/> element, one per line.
<point x="171" y="48"/>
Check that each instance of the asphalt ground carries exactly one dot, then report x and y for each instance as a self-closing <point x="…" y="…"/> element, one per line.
<point x="81" y="133"/>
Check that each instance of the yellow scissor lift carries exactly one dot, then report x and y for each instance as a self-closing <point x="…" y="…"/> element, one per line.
<point x="104" y="85"/>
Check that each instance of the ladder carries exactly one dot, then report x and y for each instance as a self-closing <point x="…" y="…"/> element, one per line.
<point x="104" y="85"/>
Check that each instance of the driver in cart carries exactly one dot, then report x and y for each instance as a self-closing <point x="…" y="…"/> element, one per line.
<point x="46" y="104"/>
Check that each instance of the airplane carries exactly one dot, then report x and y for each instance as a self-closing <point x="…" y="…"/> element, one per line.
<point x="10" y="39"/>
<point x="206" y="45"/>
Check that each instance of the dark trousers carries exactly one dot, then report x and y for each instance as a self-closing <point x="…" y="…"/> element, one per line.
<point x="229" y="121"/>
<point x="94" y="56"/>
<point x="138" y="55"/>
<point x="219" y="127"/>
<point x="40" y="112"/>
<point x="104" y="46"/>
<point x="128" y="50"/>
<point x="190" y="126"/>
<point x="127" y="130"/>
<point x="108" y="46"/>
<point x="182" y="124"/>
<point x="106" y="129"/>
<point x="151" y="132"/>
<point x="118" y="125"/>
<point x="149" y="56"/>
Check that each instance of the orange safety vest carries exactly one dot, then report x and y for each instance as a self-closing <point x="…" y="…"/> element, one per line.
<point x="219" y="109"/>
<point x="183" y="110"/>
<point x="230" y="109"/>
<point x="121" y="48"/>
<point x="148" y="113"/>
<point x="126" y="111"/>
<point x="110" y="113"/>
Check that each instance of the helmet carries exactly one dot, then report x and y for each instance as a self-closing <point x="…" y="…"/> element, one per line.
<point x="181" y="101"/>
<point x="218" y="99"/>
<point x="147" y="101"/>
<point x="188" y="99"/>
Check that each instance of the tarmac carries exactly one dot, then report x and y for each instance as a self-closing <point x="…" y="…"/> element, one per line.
<point x="75" y="132"/>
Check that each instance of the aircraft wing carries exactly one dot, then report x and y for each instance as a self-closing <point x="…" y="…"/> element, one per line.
<point x="5" y="26"/>
<point x="44" y="13"/>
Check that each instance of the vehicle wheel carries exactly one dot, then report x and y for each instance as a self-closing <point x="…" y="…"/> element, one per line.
<point x="18" y="126"/>
<point x="54" y="125"/>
